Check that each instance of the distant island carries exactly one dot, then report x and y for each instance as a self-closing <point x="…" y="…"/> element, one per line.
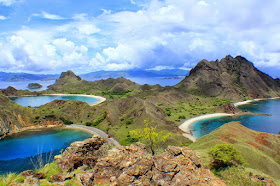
<point x="34" y="86"/>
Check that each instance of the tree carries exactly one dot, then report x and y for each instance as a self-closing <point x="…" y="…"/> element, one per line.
<point x="149" y="136"/>
<point x="225" y="155"/>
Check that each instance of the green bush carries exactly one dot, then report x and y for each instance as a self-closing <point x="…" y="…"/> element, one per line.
<point x="65" y="121"/>
<point x="129" y="122"/>
<point x="182" y="117"/>
<point x="225" y="155"/>
<point x="167" y="111"/>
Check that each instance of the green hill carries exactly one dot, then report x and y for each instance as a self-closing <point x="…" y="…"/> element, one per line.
<point x="261" y="150"/>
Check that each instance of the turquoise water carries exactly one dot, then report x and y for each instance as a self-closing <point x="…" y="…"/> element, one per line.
<point x="16" y="151"/>
<point x="269" y="124"/>
<point x="36" y="101"/>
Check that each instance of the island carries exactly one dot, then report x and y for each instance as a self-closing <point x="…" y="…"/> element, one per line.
<point x="34" y="86"/>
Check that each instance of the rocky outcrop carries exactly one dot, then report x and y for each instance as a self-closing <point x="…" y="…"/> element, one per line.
<point x="232" y="78"/>
<point x="69" y="74"/>
<point x="133" y="165"/>
<point x="228" y="108"/>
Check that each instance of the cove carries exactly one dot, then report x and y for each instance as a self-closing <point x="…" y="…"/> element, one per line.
<point x="36" y="101"/>
<point x="16" y="151"/>
<point x="270" y="124"/>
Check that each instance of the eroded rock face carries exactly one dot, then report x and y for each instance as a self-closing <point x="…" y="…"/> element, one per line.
<point x="82" y="154"/>
<point x="133" y="165"/>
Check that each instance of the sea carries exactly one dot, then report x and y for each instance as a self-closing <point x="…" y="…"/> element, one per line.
<point x="270" y="124"/>
<point x="22" y="85"/>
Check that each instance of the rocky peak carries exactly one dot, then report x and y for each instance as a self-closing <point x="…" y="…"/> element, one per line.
<point x="70" y="74"/>
<point x="233" y="78"/>
<point x="10" y="91"/>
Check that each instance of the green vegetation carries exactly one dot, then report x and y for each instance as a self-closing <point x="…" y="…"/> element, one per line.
<point x="11" y="179"/>
<point x="259" y="150"/>
<point x="65" y="121"/>
<point x="225" y="155"/>
<point x="149" y="136"/>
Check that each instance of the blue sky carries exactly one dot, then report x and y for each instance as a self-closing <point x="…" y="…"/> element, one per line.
<point x="51" y="36"/>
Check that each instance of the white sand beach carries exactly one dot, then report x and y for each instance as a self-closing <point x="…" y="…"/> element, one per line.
<point x="186" y="125"/>
<point x="101" y="99"/>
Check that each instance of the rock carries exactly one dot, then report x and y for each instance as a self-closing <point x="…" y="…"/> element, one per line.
<point x="59" y="177"/>
<point x="82" y="154"/>
<point x="85" y="178"/>
<point x="133" y="165"/>
<point x="30" y="180"/>
<point x="38" y="175"/>
<point x="34" y="86"/>
<point x="263" y="179"/>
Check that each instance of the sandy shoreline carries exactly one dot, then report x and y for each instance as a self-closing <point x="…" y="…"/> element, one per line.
<point x="185" y="126"/>
<point x="101" y="99"/>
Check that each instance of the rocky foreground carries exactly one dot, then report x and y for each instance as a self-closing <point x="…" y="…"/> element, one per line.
<point x="90" y="162"/>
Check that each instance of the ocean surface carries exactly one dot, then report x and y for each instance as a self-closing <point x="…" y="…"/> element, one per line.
<point x="19" y="150"/>
<point x="269" y="124"/>
<point x="36" y="101"/>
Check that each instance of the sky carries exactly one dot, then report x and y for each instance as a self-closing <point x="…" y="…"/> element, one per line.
<point x="51" y="36"/>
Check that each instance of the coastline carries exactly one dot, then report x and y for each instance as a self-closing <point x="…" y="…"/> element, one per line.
<point x="101" y="99"/>
<point x="185" y="126"/>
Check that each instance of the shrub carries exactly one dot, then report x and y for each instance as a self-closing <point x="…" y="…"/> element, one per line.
<point x="168" y="111"/>
<point x="65" y="121"/>
<point x="225" y="155"/>
<point x="182" y="117"/>
<point x="129" y="122"/>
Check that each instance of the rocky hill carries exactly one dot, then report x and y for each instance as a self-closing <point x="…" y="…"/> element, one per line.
<point x="90" y="162"/>
<point x="69" y="82"/>
<point x="232" y="78"/>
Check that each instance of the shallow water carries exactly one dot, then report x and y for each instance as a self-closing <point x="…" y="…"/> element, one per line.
<point x="36" y="101"/>
<point x="269" y="124"/>
<point x="16" y="151"/>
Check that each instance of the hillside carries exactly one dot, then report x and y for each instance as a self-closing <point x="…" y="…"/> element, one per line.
<point x="260" y="150"/>
<point x="232" y="78"/>
<point x="70" y="83"/>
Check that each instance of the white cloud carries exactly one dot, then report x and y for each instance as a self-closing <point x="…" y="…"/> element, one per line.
<point x="47" y="15"/>
<point x="8" y="2"/>
<point x="2" y="17"/>
<point x="164" y="34"/>
<point x="158" y="68"/>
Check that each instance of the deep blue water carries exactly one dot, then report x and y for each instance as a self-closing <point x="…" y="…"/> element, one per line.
<point x="16" y="151"/>
<point x="269" y="124"/>
<point x="36" y="101"/>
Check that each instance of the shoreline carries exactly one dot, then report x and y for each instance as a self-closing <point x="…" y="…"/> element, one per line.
<point x="185" y="126"/>
<point x="101" y="99"/>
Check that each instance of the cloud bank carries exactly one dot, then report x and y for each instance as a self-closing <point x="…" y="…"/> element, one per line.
<point x="169" y="34"/>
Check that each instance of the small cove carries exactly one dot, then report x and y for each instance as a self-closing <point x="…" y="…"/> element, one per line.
<point x="269" y="124"/>
<point x="16" y="151"/>
<point x="36" y="101"/>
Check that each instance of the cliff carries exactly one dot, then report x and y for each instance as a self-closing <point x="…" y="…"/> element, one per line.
<point x="232" y="78"/>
